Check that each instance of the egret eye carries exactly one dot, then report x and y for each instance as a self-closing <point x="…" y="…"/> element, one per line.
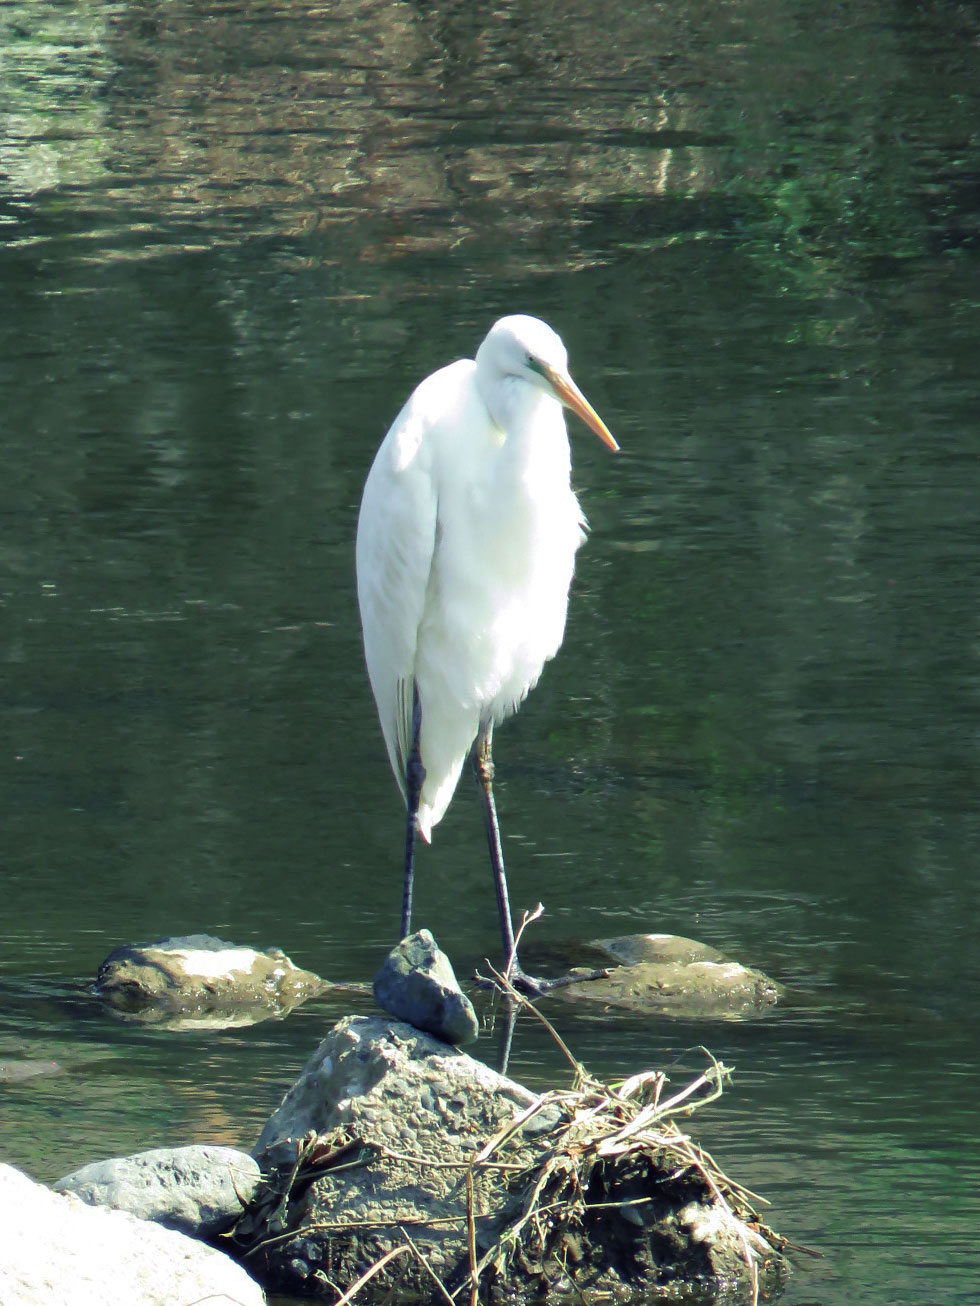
<point x="534" y="364"/>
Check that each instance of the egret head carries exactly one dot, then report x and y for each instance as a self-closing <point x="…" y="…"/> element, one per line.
<point x="526" y="348"/>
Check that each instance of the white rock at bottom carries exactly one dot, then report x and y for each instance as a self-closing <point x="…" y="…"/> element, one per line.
<point x="57" y="1251"/>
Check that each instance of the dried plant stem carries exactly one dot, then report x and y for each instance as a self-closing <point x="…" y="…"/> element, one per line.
<point x="423" y="1260"/>
<point x="503" y="980"/>
<point x="471" y="1241"/>
<point x="526" y="920"/>
<point x="370" y="1272"/>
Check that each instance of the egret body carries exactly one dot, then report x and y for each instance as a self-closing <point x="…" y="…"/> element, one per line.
<point x="466" y="545"/>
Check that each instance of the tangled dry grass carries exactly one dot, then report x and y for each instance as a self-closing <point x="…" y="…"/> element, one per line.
<point x="609" y="1130"/>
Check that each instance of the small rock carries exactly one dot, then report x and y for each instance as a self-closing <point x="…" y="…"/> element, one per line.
<point x="59" y="1252"/>
<point x="199" y="1190"/>
<point x="417" y="984"/>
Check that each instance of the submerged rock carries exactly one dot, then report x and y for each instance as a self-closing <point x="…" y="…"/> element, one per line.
<point x="670" y="975"/>
<point x="16" y="1071"/>
<point x="393" y="1144"/>
<point x="59" y="1252"/>
<point x="197" y="980"/>
<point x="417" y="984"/>
<point x="199" y="1190"/>
<point x="634" y="949"/>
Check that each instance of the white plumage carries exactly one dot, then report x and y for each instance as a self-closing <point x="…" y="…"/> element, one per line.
<point x="466" y="544"/>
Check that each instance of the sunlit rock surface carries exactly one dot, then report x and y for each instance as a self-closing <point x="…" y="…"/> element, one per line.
<point x="57" y="1251"/>
<point x="633" y="949"/>
<point x="199" y="1190"/>
<point x="15" y="1070"/>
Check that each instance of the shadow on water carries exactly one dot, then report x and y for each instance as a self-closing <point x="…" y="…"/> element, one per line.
<point x="232" y="237"/>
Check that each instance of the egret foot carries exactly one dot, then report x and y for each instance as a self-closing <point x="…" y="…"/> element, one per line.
<point x="535" y="986"/>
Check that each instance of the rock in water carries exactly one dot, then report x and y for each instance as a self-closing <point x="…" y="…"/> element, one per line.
<point x="417" y="984"/>
<point x="15" y="1072"/>
<point x="664" y="974"/>
<point x="199" y="981"/>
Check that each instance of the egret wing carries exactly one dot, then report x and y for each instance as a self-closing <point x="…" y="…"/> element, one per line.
<point x="396" y="535"/>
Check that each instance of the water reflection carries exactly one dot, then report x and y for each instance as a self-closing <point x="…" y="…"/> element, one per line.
<point x="404" y="131"/>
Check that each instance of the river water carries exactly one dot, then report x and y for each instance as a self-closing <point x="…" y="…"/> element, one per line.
<point x="232" y="237"/>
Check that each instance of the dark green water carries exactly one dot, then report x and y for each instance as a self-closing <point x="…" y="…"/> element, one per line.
<point x="232" y="237"/>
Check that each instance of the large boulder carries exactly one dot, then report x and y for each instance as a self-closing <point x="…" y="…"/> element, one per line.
<point x="200" y="1190"/>
<point x="394" y="1145"/>
<point x="56" y="1251"/>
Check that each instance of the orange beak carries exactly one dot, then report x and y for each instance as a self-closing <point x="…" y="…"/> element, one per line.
<point x="572" y="397"/>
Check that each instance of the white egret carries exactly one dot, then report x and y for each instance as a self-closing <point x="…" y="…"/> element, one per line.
<point x="466" y="544"/>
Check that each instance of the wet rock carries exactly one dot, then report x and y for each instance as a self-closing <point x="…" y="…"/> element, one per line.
<point x="632" y="949"/>
<point x="198" y="980"/>
<point x="704" y="989"/>
<point x="199" y="1190"/>
<point x="417" y="984"/>
<point x="59" y="1252"/>
<point x="670" y="975"/>
<point x="388" y="1132"/>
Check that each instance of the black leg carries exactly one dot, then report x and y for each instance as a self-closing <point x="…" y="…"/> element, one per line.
<point x="483" y="764"/>
<point x="524" y="983"/>
<point x="414" y="778"/>
<point x="507" y="1018"/>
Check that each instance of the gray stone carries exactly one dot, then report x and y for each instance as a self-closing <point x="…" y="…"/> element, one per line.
<point x="200" y="1190"/>
<point x="57" y="1251"/>
<point x="417" y="984"/>
<point x="374" y="1073"/>
<point x="402" y="1094"/>
<point x="385" y="1126"/>
<point x="200" y="981"/>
